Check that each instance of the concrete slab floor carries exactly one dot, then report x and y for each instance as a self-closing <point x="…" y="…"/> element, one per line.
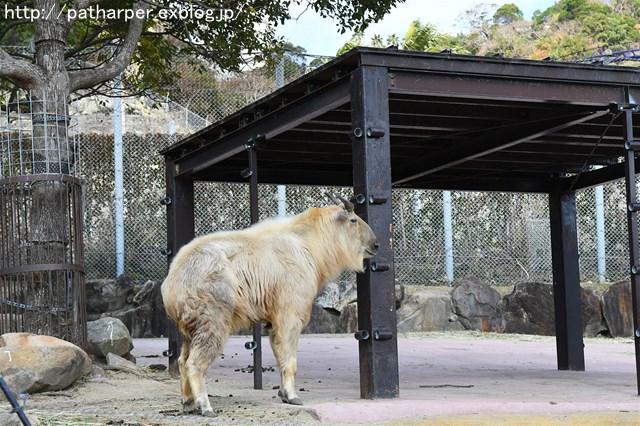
<point x="445" y="378"/>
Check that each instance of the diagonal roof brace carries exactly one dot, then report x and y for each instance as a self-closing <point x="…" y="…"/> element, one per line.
<point x="492" y="141"/>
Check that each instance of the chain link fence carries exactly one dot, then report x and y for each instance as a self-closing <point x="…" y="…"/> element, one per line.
<point x="498" y="237"/>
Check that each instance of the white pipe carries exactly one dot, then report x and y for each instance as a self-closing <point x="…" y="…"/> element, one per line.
<point x="448" y="234"/>
<point x="118" y="171"/>
<point x="600" y="237"/>
<point x="282" y="190"/>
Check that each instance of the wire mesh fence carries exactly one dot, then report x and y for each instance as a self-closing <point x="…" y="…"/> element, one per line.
<point x="498" y="237"/>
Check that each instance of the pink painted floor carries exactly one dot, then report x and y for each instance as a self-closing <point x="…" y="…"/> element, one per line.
<point x="441" y="374"/>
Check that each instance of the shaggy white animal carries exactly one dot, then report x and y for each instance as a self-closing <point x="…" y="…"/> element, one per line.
<point x="272" y="272"/>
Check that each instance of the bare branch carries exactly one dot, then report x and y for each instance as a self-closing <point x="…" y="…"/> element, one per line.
<point x="87" y="78"/>
<point x="23" y="72"/>
<point x="10" y="25"/>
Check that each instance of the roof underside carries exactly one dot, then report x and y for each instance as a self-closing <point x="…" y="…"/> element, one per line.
<point x="456" y="122"/>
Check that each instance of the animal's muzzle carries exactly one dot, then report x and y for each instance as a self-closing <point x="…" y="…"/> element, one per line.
<point x="373" y="248"/>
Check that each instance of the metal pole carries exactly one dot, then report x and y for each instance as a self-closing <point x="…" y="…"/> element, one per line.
<point x="254" y="213"/>
<point x="448" y="234"/>
<point x="14" y="403"/>
<point x="118" y="171"/>
<point x="632" y="226"/>
<point x="600" y="237"/>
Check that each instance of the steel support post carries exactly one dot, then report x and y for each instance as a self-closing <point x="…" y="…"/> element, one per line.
<point x="180" y="230"/>
<point x="252" y="174"/>
<point x="566" y="280"/>
<point x="632" y="224"/>
<point x="372" y="185"/>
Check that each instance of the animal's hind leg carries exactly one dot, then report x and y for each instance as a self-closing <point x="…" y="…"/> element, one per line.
<point x="205" y="347"/>
<point x="284" y="342"/>
<point x="188" y="402"/>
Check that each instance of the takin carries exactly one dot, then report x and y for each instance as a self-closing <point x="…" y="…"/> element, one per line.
<point x="223" y="282"/>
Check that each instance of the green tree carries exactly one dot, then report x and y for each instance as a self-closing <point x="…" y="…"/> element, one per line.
<point x="419" y="36"/>
<point x="507" y="14"/>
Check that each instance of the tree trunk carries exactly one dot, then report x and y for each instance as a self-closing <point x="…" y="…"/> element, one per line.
<point x="48" y="292"/>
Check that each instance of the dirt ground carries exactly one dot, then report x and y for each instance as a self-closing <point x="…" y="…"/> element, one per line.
<point x="328" y="380"/>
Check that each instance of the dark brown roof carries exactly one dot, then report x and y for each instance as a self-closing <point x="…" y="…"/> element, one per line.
<point x="457" y="122"/>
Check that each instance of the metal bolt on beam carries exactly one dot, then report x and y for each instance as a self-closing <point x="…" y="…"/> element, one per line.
<point x="374" y="132"/>
<point x="379" y="267"/>
<point x="632" y="145"/>
<point x="382" y="334"/>
<point x="361" y="335"/>
<point x="377" y="200"/>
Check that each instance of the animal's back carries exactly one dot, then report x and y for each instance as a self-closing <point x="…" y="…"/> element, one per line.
<point x="248" y="270"/>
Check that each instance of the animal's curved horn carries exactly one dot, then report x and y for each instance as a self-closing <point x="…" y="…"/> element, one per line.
<point x="348" y="205"/>
<point x="332" y="197"/>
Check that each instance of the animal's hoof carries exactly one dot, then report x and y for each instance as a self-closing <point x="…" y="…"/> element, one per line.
<point x="295" y="401"/>
<point x="209" y="413"/>
<point x="189" y="408"/>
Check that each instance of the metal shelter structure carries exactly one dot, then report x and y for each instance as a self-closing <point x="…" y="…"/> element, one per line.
<point x="376" y="119"/>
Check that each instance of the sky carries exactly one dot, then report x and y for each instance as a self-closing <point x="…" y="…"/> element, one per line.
<point x="321" y="36"/>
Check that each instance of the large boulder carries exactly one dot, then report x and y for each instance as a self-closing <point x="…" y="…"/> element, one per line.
<point x="108" y="295"/>
<point x="529" y="309"/>
<point x="108" y="335"/>
<point x="427" y="309"/>
<point x="617" y="306"/>
<point x="322" y="320"/>
<point x="476" y="305"/>
<point x="33" y="363"/>
<point x="336" y="295"/>
<point x="137" y="305"/>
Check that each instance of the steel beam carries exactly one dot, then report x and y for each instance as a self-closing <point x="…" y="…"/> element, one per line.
<point x="299" y="111"/>
<point x="180" y="230"/>
<point x="494" y="141"/>
<point x="489" y="86"/>
<point x="566" y="280"/>
<point x="632" y="222"/>
<point x="378" y="347"/>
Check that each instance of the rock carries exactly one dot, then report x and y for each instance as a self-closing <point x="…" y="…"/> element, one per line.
<point x="337" y="295"/>
<point x="593" y="323"/>
<point x="348" y="321"/>
<point x="143" y="293"/>
<point x="97" y="297"/>
<point x="427" y="309"/>
<point x="108" y="295"/>
<point x="108" y="335"/>
<point x="617" y="308"/>
<point x="34" y="363"/>
<point x="322" y="320"/>
<point x="119" y="362"/>
<point x="476" y="305"/>
<point x="12" y="419"/>
<point x="529" y="309"/>
<point x="138" y="320"/>
<point x="138" y="306"/>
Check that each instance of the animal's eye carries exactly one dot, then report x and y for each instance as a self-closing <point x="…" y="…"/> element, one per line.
<point x="353" y="220"/>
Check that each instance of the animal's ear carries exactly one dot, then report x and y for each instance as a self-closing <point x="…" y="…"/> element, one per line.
<point x="341" y="215"/>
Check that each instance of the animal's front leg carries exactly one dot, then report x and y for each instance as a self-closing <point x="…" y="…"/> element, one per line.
<point x="284" y="341"/>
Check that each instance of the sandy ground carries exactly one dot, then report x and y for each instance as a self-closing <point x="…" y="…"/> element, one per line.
<point x="445" y="379"/>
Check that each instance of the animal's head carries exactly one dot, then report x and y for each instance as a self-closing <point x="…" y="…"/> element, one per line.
<point x="353" y="234"/>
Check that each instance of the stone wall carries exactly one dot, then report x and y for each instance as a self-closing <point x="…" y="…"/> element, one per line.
<point x="470" y="304"/>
